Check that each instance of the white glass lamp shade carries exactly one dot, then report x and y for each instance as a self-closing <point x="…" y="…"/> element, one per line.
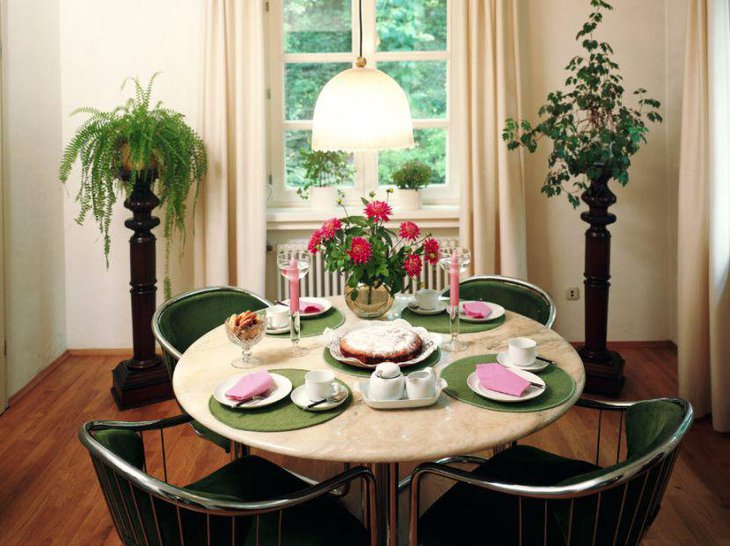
<point x="362" y="109"/>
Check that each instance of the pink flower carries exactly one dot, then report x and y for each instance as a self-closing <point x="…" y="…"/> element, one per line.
<point x="330" y="227"/>
<point x="410" y="231"/>
<point x="315" y="241"/>
<point x="360" y="250"/>
<point x="412" y="265"/>
<point x="431" y="250"/>
<point x="379" y="211"/>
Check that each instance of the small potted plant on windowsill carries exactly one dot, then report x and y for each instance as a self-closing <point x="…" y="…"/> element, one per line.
<point x="409" y="179"/>
<point x="324" y="171"/>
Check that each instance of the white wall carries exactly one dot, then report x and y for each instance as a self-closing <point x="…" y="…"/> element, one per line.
<point x="102" y="42"/>
<point x="648" y="38"/>
<point x="34" y="245"/>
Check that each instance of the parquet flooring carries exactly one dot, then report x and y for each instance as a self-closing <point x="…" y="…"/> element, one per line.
<point x="49" y="495"/>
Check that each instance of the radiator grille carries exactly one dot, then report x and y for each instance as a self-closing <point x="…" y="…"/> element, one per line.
<point x="322" y="283"/>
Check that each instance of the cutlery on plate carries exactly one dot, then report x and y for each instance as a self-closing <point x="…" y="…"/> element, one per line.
<point x="533" y="383"/>
<point x="542" y="359"/>
<point x="252" y="399"/>
<point x="336" y="397"/>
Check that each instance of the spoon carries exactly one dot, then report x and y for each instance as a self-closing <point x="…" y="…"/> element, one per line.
<point x="337" y="396"/>
<point x="253" y="399"/>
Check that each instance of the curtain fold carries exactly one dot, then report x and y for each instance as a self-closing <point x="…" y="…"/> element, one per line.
<point x="230" y="227"/>
<point x="703" y="306"/>
<point x="492" y="216"/>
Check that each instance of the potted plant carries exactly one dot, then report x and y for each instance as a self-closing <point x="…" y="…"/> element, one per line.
<point x="135" y="146"/>
<point x="594" y="134"/>
<point x="409" y="179"/>
<point x="323" y="172"/>
<point x="378" y="262"/>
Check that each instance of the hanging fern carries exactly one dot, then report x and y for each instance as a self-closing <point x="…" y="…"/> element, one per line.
<point x="123" y="144"/>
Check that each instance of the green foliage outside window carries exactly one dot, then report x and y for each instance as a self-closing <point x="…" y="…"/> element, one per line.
<point x="412" y="175"/>
<point x="323" y="169"/>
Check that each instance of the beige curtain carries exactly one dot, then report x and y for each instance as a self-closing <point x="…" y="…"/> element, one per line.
<point x="704" y="223"/>
<point x="492" y="193"/>
<point x="230" y="236"/>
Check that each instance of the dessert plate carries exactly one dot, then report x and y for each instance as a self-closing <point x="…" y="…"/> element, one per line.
<point x="303" y="302"/>
<point x="536" y="366"/>
<point x="279" y="390"/>
<point x="403" y="403"/>
<point x="300" y="398"/>
<point x="497" y="311"/>
<point x="532" y="392"/>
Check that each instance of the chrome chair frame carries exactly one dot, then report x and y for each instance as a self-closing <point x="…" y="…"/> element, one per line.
<point x="182" y="498"/>
<point x="523" y="284"/>
<point x="664" y="454"/>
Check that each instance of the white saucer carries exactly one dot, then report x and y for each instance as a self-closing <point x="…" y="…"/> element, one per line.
<point x="281" y="387"/>
<point x="532" y="392"/>
<point x="326" y="306"/>
<point x="300" y="397"/>
<point x="440" y="308"/>
<point x="281" y="330"/>
<point x="536" y="366"/>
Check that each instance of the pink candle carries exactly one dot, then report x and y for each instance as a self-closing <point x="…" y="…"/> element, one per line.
<point x="454" y="281"/>
<point x="294" y="286"/>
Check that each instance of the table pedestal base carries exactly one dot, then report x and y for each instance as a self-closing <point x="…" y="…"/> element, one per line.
<point x="386" y="486"/>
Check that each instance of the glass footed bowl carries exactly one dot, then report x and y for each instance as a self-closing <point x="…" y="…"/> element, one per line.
<point x="246" y="337"/>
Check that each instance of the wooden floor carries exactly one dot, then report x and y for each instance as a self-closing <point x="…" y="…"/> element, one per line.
<point x="49" y="495"/>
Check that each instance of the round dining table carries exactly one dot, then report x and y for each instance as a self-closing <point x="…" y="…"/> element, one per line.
<point x="361" y="434"/>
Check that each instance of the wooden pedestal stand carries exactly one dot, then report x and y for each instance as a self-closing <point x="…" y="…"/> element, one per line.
<point x="604" y="368"/>
<point x="143" y="379"/>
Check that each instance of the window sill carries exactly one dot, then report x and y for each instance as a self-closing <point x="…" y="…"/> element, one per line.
<point x="428" y="217"/>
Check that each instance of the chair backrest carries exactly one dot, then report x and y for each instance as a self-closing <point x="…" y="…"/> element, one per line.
<point x="181" y="320"/>
<point x="513" y="294"/>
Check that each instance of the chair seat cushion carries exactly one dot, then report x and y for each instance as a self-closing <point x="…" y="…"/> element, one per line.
<point x="323" y="521"/>
<point x="467" y="515"/>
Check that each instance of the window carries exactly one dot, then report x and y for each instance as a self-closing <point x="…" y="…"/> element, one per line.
<point x="312" y="40"/>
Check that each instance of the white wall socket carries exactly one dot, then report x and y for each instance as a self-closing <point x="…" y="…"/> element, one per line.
<point x="572" y="293"/>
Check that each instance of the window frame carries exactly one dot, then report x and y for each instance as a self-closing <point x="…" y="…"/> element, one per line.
<point x="366" y="163"/>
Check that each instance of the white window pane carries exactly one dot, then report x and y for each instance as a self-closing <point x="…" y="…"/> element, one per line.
<point x="302" y="84"/>
<point x="430" y="148"/>
<point x="317" y="26"/>
<point x="424" y="83"/>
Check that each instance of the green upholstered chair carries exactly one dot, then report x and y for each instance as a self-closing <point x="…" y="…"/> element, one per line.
<point x="250" y="501"/>
<point x="181" y="320"/>
<point x="526" y="496"/>
<point x="512" y="294"/>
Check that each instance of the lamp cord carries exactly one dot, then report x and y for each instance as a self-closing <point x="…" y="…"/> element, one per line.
<point x="360" y="19"/>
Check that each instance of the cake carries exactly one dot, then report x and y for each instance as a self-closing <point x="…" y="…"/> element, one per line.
<point x="376" y="344"/>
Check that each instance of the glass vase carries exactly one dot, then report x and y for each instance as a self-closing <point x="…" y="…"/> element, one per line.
<point x="369" y="302"/>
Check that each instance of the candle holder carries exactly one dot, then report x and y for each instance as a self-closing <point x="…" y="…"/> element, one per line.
<point x="454" y="260"/>
<point x="294" y="266"/>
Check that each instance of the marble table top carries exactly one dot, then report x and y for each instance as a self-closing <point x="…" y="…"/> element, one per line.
<point x="365" y="435"/>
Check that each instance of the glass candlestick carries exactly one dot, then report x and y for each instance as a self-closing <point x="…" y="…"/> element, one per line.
<point x="454" y="260"/>
<point x="294" y="266"/>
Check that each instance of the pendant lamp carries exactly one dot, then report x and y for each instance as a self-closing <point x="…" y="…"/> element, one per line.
<point x="362" y="108"/>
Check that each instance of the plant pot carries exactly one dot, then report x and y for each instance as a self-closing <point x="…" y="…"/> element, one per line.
<point x="370" y="302"/>
<point x="127" y="166"/>
<point x="323" y="197"/>
<point x="408" y="199"/>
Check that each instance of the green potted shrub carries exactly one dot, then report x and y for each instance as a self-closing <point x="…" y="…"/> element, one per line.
<point x="135" y="144"/>
<point x="323" y="172"/>
<point x="411" y="177"/>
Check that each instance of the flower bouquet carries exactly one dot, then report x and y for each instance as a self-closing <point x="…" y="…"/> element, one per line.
<point x="378" y="262"/>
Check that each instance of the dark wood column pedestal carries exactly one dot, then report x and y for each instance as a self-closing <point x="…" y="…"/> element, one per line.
<point x="604" y="368"/>
<point x="143" y="379"/>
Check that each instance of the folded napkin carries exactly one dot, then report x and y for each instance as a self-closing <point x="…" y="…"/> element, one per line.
<point x="312" y="308"/>
<point x="250" y="385"/>
<point x="496" y="377"/>
<point x="476" y="309"/>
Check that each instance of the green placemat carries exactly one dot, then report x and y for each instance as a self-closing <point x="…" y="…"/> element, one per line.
<point x="432" y="360"/>
<point x="440" y="323"/>
<point x="284" y="415"/>
<point x="560" y="387"/>
<point x="316" y="325"/>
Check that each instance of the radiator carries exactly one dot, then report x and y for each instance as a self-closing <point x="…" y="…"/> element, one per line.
<point x="322" y="283"/>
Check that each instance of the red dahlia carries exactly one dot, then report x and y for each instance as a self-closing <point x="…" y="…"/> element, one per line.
<point x="330" y="227"/>
<point x="431" y="250"/>
<point x="315" y="241"/>
<point x="410" y="231"/>
<point x="379" y="211"/>
<point x="412" y="265"/>
<point x="360" y="250"/>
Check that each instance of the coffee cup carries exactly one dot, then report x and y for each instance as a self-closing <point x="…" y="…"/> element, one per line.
<point x="427" y="299"/>
<point x="277" y="317"/>
<point x="522" y="351"/>
<point x="319" y="384"/>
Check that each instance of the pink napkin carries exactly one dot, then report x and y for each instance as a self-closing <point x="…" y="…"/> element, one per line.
<point x="496" y="377"/>
<point x="250" y="385"/>
<point x="477" y="309"/>
<point x="312" y="308"/>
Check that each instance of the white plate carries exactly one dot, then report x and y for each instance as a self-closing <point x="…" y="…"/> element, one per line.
<point x="404" y="403"/>
<point x="281" y="330"/>
<point x="536" y="366"/>
<point x="279" y="390"/>
<point x="326" y="306"/>
<point x="532" y="392"/>
<point x="440" y="308"/>
<point x="300" y="397"/>
<point x="497" y="311"/>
